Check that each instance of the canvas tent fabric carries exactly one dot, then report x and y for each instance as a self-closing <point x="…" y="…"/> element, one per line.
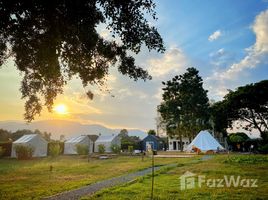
<point x="70" y="145"/>
<point x="205" y="142"/>
<point x="36" y="141"/>
<point x="107" y="141"/>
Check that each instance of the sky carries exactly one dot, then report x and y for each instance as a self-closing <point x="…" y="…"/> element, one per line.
<point x="226" y="40"/>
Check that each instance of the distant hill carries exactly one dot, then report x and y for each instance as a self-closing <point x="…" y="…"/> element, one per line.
<point x="67" y="128"/>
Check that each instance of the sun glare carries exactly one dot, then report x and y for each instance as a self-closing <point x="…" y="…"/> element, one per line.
<point x="60" y="109"/>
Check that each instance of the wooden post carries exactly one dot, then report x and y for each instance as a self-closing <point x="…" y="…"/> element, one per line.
<point x="152" y="190"/>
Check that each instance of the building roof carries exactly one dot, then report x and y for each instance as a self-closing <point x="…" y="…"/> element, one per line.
<point x="106" y="138"/>
<point x="25" y="138"/>
<point x="76" y="139"/>
<point x="152" y="136"/>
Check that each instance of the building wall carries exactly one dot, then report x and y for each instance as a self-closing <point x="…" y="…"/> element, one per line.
<point x="70" y="148"/>
<point x="150" y="140"/>
<point x="39" y="145"/>
<point x="174" y="143"/>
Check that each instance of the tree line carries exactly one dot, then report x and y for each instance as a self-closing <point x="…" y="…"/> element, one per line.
<point x="185" y="108"/>
<point x="8" y="136"/>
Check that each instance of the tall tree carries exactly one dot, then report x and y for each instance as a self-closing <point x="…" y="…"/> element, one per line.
<point x="151" y="132"/>
<point x="247" y="106"/>
<point x="185" y="107"/>
<point x="5" y="135"/>
<point x="53" y="41"/>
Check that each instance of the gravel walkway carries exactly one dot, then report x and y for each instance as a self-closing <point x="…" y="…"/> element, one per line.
<point x="90" y="189"/>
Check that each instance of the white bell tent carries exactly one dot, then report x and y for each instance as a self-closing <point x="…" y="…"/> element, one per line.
<point x="205" y="142"/>
<point x="70" y="145"/>
<point x="35" y="141"/>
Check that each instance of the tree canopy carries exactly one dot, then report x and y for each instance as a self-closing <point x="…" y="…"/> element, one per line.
<point x="53" y="41"/>
<point x="238" y="137"/>
<point x="151" y="132"/>
<point x="185" y="107"/>
<point x="247" y="106"/>
<point x="12" y="136"/>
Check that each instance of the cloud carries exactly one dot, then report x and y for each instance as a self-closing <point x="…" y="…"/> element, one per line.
<point x="174" y="60"/>
<point x="218" y="53"/>
<point x="255" y="55"/>
<point x="215" y="35"/>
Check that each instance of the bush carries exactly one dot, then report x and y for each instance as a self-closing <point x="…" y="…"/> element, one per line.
<point x="115" y="148"/>
<point x="2" y="151"/>
<point x="130" y="149"/>
<point x="101" y="148"/>
<point x="82" y="149"/>
<point x="263" y="149"/>
<point x="54" y="149"/>
<point x="247" y="159"/>
<point x="24" y="152"/>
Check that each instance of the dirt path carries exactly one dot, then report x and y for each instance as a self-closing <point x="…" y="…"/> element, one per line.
<point x="90" y="189"/>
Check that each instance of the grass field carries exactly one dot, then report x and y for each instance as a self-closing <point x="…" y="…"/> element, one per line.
<point x="32" y="179"/>
<point x="167" y="182"/>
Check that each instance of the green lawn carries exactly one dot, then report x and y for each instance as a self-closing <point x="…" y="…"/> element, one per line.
<point x="167" y="182"/>
<point x="33" y="179"/>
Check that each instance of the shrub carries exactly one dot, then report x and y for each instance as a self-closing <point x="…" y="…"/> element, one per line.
<point x="130" y="149"/>
<point x="24" y="152"/>
<point x="82" y="149"/>
<point x="101" y="148"/>
<point x="263" y="149"/>
<point x="115" y="148"/>
<point x="54" y="149"/>
<point x="247" y="159"/>
<point x="2" y="151"/>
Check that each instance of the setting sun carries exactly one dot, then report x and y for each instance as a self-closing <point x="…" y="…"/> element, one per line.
<point x="60" y="109"/>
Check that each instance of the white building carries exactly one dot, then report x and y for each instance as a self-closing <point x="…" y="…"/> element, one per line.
<point x="70" y="145"/>
<point x="35" y="141"/>
<point x="107" y="141"/>
<point x="174" y="144"/>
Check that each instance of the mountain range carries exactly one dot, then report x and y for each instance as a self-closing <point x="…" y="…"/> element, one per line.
<point x="66" y="128"/>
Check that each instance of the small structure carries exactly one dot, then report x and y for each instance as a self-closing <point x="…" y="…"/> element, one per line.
<point x="107" y="141"/>
<point x="37" y="142"/>
<point x="70" y="145"/>
<point x="152" y="142"/>
<point x="174" y="144"/>
<point x="204" y="141"/>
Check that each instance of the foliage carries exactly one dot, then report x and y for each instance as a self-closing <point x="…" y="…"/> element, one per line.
<point x="237" y="137"/>
<point x="151" y="132"/>
<point x="185" y="108"/>
<point x="123" y="133"/>
<point x="264" y="136"/>
<point x="101" y="148"/>
<point x="53" y="41"/>
<point x="82" y="149"/>
<point x="130" y="149"/>
<point x="249" y="159"/>
<point x="5" y="135"/>
<point x="19" y="133"/>
<point x="115" y="148"/>
<point x="127" y="140"/>
<point x="2" y="151"/>
<point x="247" y="106"/>
<point x="54" y="149"/>
<point x="263" y="149"/>
<point x="24" y="152"/>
